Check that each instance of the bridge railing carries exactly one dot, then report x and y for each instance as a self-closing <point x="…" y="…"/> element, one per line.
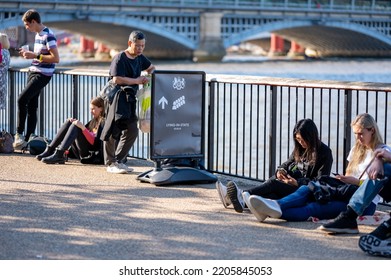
<point x="249" y="119"/>
<point x="380" y="6"/>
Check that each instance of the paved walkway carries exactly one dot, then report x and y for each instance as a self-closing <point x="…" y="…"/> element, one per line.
<point x="75" y="211"/>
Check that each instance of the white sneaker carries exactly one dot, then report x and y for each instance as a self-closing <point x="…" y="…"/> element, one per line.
<point x="264" y="206"/>
<point x="19" y="142"/>
<point x="115" y="168"/>
<point x="222" y="190"/>
<point x="125" y="167"/>
<point x="246" y="197"/>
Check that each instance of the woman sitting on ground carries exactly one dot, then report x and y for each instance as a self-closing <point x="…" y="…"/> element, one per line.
<point x="83" y="139"/>
<point x="301" y="205"/>
<point x="310" y="159"/>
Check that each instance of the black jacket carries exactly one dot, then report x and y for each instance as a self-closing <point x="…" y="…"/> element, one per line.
<point x="324" y="161"/>
<point x="120" y="111"/>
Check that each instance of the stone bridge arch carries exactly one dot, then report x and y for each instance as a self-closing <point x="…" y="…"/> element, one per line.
<point x="324" y="38"/>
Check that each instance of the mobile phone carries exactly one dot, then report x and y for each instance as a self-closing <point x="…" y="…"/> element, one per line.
<point x="335" y="174"/>
<point x="283" y="171"/>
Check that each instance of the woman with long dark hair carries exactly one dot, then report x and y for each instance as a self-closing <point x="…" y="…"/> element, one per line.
<point x="82" y="139"/>
<point x="310" y="159"/>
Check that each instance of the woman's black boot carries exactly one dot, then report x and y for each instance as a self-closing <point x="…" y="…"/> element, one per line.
<point x="48" y="152"/>
<point x="57" y="157"/>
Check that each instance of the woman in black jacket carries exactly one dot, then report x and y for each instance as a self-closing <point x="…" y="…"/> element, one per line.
<point x="84" y="140"/>
<point x="310" y="159"/>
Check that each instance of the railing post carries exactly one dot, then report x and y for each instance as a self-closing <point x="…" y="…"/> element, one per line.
<point x="211" y="127"/>
<point x="273" y="130"/>
<point x="41" y="113"/>
<point x="75" y="94"/>
<point x="347" y="129"/>
<point x="12" y="101"/>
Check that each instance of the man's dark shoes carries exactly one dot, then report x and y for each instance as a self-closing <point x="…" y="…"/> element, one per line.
<point x="342" y="224"/>
<point x="378" y="242"/>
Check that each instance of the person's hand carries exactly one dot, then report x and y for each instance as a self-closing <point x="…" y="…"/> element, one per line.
<point x="142" y="80"/>
<point x="383" y="154"/>
<point x="281" y="174"/>
<point x="27" y="54"/>
<point x="348" y="179"/>
<point x="79" y="124"/>
<point x="376" y="168"/>
<point x="289" y="180"/>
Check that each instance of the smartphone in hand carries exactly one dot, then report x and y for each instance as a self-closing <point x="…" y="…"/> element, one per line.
<point x="335" y="174"/>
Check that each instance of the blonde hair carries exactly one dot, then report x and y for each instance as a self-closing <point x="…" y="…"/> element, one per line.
<point x="5" y="43"/>
<point x="363" y="121"/>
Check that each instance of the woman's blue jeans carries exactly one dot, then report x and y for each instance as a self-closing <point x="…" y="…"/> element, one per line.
<point x="300" y="206"/>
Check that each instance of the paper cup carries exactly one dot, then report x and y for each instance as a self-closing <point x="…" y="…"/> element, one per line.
<point x="25" y="48"/>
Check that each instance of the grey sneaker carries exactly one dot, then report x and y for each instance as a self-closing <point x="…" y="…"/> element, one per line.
<point x="235" y="195"/>
<point x="125" y="167"/>
<point x="19" y="142"/>
<point x="378" y="242"/>
<point x="116" y="169"/>
<point x="246" y="198"/>
<point x="222" y="191"/>
<point x="263" y="206"/>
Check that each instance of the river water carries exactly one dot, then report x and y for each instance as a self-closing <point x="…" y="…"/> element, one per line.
<point x="358" y="69"/>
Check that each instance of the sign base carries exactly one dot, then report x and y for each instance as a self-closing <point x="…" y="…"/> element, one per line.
<point x="177" y="175"/>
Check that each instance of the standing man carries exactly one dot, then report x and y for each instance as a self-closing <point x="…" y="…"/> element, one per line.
<point x="120" y="130"/>
<point x="44" y="57"/>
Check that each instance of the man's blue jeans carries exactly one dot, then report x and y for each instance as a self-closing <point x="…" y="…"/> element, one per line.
<point x="368" y="190"/>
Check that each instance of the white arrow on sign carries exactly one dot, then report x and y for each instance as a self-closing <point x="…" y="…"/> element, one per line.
<point x="163" y="101"/>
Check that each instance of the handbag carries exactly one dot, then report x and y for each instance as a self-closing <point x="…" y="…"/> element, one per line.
<point x="6" y="141"/>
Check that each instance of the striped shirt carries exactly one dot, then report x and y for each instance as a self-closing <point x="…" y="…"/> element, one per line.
<point x="44" y="41"/>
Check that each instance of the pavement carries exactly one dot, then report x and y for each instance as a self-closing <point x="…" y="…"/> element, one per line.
<point x="81" y="212"/>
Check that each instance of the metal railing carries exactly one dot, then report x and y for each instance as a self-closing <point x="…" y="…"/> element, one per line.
<point x="360" y="6"/>
<point x="249" y="119"/>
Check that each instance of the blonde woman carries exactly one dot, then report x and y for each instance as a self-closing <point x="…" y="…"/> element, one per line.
<point x="369" y="145"/>
<point x="4" y="65"/>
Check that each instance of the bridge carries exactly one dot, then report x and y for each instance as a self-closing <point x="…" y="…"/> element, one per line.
<point x="204" y="29"/>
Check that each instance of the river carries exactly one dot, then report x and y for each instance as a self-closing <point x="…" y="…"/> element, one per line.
<point x="342" y="69"/>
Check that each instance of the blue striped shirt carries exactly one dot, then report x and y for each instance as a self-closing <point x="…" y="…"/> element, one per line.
<point x="44" y="41"/>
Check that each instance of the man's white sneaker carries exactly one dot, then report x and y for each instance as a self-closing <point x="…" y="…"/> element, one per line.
<point x="260" y="216"/>
<point x="19" y="142"/>
<point x="125" y="167"/>
<point x="222" y="190"/>
<point x="264" y="206"/>
<point x="114" y="168"/>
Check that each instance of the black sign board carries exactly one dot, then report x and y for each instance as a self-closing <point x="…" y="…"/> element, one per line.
<point x="177" y="114"/>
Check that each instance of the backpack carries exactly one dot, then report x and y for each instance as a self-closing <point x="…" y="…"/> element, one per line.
<point x="6" y="141"/>
<point x="37" y="145"/>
